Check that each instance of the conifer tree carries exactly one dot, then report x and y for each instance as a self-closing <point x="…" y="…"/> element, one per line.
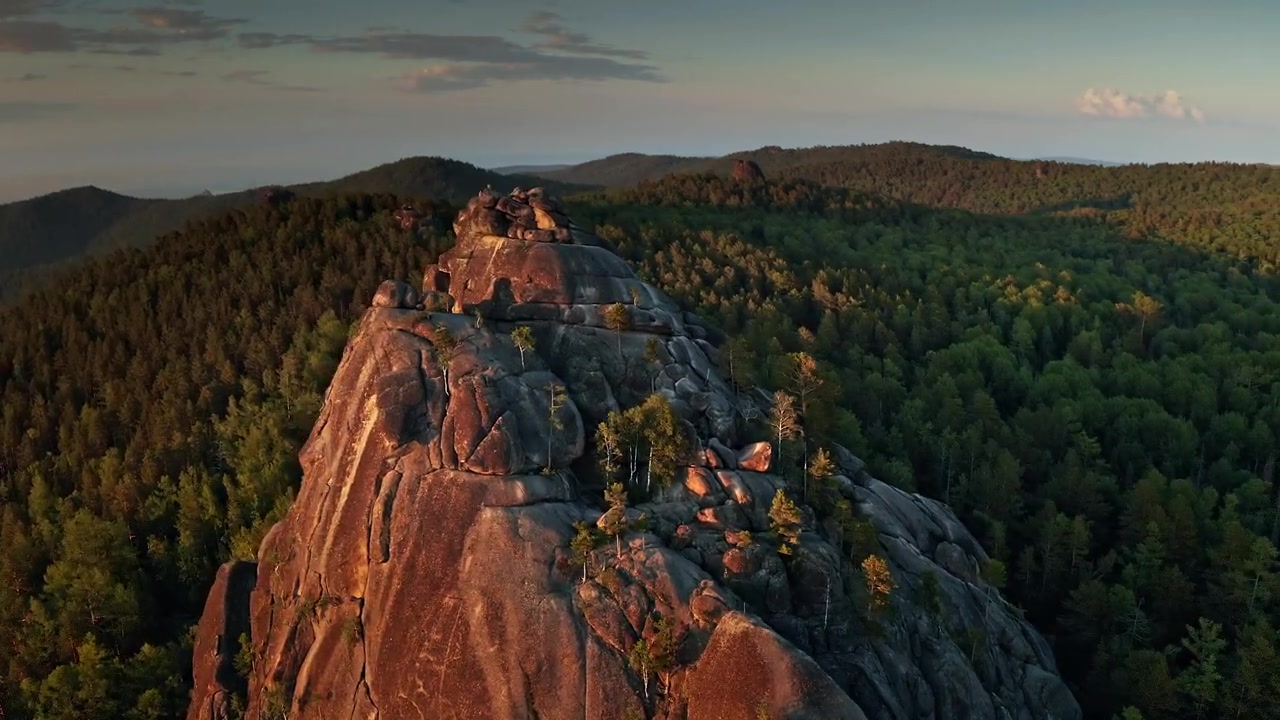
<point x="523" y="339"/>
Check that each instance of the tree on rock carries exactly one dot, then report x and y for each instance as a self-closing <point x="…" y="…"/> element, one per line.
<point x="617" y="320"/>
<point x="656" y="655"/>
<point x="446" y="349"/>
<point x="783" y="419"/>
<point x="523" y="339"/>
<point x="880" y="583"/>
<point x="614" y="520"/>
<point x="819" y="470"/>
<point x="785" y="521"/>
<point x="653" y="359"/>
<point x="581" y="546"/>
<point x="651" y="434"/>
<point x="555" y="401"/>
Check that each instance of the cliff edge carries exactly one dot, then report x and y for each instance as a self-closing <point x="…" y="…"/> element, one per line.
<point x="441" y="559"/>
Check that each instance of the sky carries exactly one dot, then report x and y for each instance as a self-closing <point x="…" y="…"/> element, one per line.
<point x="165" y="98"/>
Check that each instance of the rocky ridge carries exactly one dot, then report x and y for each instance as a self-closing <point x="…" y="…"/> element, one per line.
<point x="425" y="569"/>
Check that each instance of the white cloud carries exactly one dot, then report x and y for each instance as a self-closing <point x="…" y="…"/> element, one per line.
<point x="1109" y="102"/>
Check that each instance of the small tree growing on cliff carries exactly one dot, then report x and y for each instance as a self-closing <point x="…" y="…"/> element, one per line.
<point x="783" y="420"/>
<point x="880" y="583"/>
<point x="652" y="358"/>
<point x="656" y="655"/>
<point x="583" y="543"/>
<point x="523" y="339"/>
<point x="614" y="520"/>
<point x="617" y="320"/>
<point x="785" y="522"/>
<point x="819" y="470"/>
<point x="446" y="348"/>
<point x="555" y="401"/>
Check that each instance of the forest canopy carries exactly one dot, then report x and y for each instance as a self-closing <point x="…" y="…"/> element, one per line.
<point x="1099" y="404"/>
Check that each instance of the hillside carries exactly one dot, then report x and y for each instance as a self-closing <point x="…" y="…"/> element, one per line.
<point x="1099" y="409"/>
<point x="1225" y="207"/>
<point x="41" y="236"/>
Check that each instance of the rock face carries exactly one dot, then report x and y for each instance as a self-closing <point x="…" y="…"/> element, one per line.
<point x="425" y="569"/>
<point x="746" y="170"/>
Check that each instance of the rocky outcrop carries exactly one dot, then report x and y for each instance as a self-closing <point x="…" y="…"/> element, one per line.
<point x="428" y="566"/>
<point x="225" y="619"/>
<point x="747" y="170"/>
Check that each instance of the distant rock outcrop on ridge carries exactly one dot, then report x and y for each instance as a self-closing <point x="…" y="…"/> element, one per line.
<point x="429" y="569"/>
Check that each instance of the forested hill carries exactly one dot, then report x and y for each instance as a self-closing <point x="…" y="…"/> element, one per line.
<point x="1228" y="207"/>
<point x="1102" y="411"/>
<point x="51" y="232"/>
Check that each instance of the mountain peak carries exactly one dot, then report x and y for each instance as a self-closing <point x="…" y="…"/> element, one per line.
<point x="449" y="553"/>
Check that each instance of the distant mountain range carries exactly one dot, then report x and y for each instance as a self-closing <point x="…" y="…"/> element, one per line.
<point x="43" y="234"/>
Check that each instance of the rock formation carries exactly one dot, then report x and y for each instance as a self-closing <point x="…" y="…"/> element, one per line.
<point x="427" y="568"/>
<point x="746" y="170"/>
<point x="274" y="195"/>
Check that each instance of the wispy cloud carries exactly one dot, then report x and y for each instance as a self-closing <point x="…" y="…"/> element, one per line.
<point x="28" y="77"/>
<point x="471" y="61"/>
<point x="445" y="62"/>
<point x="148" y="29"/>
<point x="547" y="24"/>
<point x="1109" y="102"/>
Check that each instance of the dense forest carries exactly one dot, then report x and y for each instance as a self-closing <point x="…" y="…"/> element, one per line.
<point x="1101" y="406"/>
<point x="1227" y="207"/>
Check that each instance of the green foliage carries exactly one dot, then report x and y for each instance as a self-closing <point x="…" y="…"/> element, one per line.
<point x="649" y="438"/>
<point x="614" y="520"/>
<point x="584" y="541"/>
<point x="154" y="403"/>
<point x="1066" y="380"/>
<point x="352" y="631"/>
<point x="785" y="522"/>
<point x="1086" y="373"/>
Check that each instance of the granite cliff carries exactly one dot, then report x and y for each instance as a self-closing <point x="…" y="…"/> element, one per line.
<point x="428" y="567"/>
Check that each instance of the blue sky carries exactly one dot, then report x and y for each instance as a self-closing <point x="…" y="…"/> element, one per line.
<point x="169" y="97"/>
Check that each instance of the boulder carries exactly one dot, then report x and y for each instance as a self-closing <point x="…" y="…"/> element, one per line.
<point x="395" y="294"/>
<point x="756" y="457"/>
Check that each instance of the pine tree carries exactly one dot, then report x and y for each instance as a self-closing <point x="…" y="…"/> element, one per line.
<point x="523" y="339"/>
<point x="614" y="520"/>
<point x="819" y="470"/>
<point x="1202" y="678"/>
<point x="783" y="419"/>
<point x="555" y="401"/>
<point x="880" y="583"/>
<point x="617" y="319"/>
<point x="583" y="542"/>
<point x="785" y="522"/>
